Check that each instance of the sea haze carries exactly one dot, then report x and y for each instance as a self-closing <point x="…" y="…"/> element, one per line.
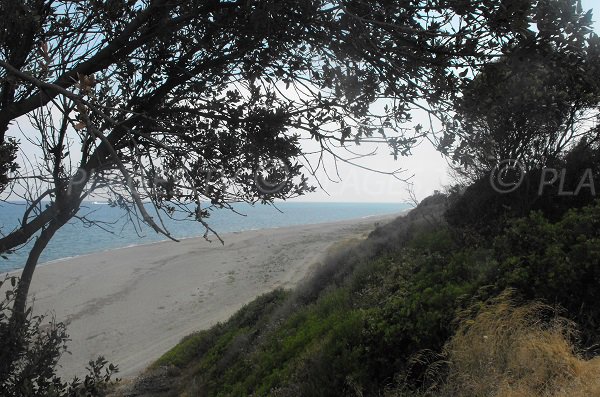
<point x="76" y="238"/>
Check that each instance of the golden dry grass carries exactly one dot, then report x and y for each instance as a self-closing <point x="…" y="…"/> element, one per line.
<point x="509" y="350"/>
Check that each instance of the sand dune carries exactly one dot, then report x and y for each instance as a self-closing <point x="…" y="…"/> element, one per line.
<point x="133" y="304"/>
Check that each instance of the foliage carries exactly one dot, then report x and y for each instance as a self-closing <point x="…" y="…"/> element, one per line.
<point x="530" y="105"/>
<point x="355" y="335"/>
<point x="480" y="212"/>
<point x="558" y="262"/>
<point x="8" y="165"/>
<point x="375" y="329"/>
<point x="29" y="355"/>
<point x="255" y="315"/>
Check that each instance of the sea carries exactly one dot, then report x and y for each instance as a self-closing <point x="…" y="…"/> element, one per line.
<point x="112" y="229"/>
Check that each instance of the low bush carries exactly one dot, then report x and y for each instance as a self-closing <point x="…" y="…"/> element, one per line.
<point x="556" y="262"/>
<point x="480" y="212"/>
<point x="29" y="354"/>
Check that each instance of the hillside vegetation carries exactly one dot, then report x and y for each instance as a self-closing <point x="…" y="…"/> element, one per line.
<point x="414" y="310"/>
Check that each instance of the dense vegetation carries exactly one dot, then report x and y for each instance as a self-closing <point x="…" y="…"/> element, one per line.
<point x="378" y="322"/>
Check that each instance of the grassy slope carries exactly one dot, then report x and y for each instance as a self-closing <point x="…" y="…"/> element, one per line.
<point x="369" y="319"/>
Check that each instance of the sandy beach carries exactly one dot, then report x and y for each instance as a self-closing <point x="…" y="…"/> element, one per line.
<point x="133" y="304"/>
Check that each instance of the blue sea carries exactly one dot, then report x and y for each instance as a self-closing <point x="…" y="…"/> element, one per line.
<point x="78" y="239"/>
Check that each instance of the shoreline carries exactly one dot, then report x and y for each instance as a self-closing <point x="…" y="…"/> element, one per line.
<point x="215" y="239"/>
<point x="132" y="304"/>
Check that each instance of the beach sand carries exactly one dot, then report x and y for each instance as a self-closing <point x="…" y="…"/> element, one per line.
<point x="133" y="304"/>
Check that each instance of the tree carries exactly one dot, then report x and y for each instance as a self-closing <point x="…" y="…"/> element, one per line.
<point x="530" y="105"/>
<point x="534" y="108"/>
<point x="164" y="103"/>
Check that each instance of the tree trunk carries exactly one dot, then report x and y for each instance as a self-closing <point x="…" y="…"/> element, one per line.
<point x="20" y="302"/>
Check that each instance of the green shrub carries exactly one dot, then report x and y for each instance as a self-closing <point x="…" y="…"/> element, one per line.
<point x="556" y="262"/>
<point x="29" y="354"/>
<point x="360" y="328"/>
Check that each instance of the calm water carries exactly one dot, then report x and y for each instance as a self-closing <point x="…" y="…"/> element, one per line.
<point x="77" y="239"/>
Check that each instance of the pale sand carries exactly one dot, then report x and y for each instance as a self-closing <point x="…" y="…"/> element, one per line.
<point x="133" y="304"/>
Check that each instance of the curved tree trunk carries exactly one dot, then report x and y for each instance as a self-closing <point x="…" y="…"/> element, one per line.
<point x="20" y="303"/>
<point x="16" y="331"/>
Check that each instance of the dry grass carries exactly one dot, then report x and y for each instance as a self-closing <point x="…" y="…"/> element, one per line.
<point x="518" y="351"/>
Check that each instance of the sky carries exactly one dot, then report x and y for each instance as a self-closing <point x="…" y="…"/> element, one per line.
<point x="426" y="168"/>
